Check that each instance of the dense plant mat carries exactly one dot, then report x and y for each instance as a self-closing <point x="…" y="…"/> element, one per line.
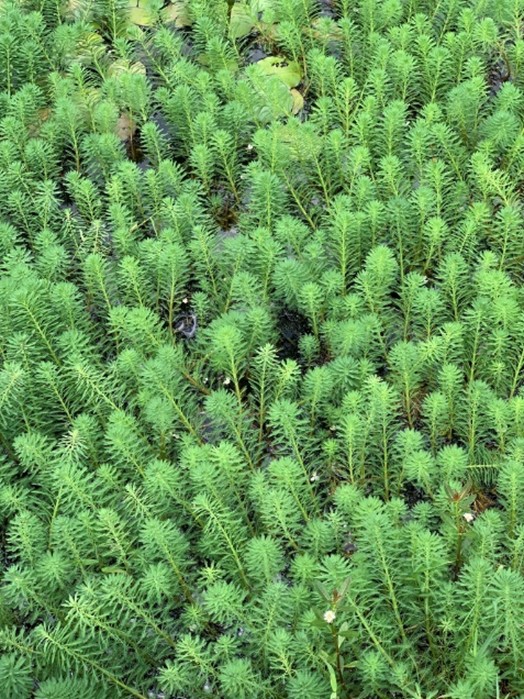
<point x="261" y="349"/>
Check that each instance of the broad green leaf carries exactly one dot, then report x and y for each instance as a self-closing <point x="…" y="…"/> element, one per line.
<point x="241" y="21"/>
<point x="288" y="72"/>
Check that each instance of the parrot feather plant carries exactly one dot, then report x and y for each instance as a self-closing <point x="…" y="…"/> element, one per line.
<point x="261" y="349"/>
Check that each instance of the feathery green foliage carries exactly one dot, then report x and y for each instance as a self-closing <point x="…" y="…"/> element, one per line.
<point x="261" y="349"/>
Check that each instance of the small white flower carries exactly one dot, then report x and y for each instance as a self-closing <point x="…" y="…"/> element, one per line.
<point x="469" y="517"/>
<point x="250" y="146"/>
<point x="314" y="477"/>
<point x="186" y="300"/>
<point x="330" y="616"/>
<point x="227" y="381"/>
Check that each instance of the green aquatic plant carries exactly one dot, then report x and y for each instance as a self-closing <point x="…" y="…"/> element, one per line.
<point x="261" y="349"/>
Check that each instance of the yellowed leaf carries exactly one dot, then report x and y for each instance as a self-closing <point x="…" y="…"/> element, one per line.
<point x="125" y="127"/>
<point x="178" y="13"/>
<point x="298" y="101"/>
<point x="122" y="66"/>
<point x="141" y="16"/>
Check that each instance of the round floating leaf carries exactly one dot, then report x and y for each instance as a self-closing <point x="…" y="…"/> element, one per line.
<point x="288" y="72"/>
<point x="241" y="21"/>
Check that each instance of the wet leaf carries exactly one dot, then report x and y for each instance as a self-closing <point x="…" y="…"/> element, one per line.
<point x="241" y="22"/>
<point x="288" y="72"/>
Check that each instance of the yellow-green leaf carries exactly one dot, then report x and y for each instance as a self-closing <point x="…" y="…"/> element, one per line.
<point x="263" y="9"/>
<point x="178" y="13"/>
<point x="141" y="16"/>
<point x="241" y="21"/>
<point x="298" y="101"/>
<point x="122" y="66"/>
<point x="144" y="13"/>
<point x="261" y="5"/>
<point x="288" y="72"/>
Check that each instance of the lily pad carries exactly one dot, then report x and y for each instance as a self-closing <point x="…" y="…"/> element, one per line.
<point x="288" y="72"/>
<point x="178" y="13"/>
<point x="241" y="21"/>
